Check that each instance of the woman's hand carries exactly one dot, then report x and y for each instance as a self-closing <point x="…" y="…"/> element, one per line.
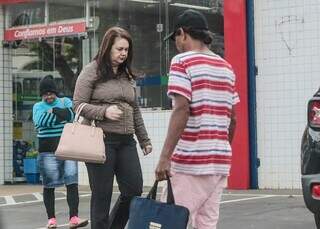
<point x="147" y="149"/>
<point x="113" y="113"/>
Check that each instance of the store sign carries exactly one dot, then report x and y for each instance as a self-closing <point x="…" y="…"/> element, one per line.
<point x="33" y="32"/>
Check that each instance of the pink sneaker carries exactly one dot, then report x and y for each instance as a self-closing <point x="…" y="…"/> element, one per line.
<point x="52" y="223"/>
<point x="76" y="222"/>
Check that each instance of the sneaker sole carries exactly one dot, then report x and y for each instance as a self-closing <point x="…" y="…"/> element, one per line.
<point x="82" y="224"/>
<point x="52" y="227"/>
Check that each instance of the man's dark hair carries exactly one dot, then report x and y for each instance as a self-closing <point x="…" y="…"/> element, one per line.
<point x="203" y="35"/>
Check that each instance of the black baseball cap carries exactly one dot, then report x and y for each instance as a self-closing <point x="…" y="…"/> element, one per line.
<point x="189" y="18"/>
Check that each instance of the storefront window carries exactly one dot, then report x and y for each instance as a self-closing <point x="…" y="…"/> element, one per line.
<point x="32" y="60"/>
<point x="25" y="14"/>
<point x="148" y="22"/>
<point x="60" y="57"/>
<point x="63" y="55"/>
<point x="66" y="10"/>
<point x="212" y="9"/>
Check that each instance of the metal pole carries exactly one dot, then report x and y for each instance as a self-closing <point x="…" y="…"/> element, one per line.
<point x="46" y="12"/>
<point x="160" y="37"/>
<point x="252" y="73"/>
<point x="166" y="33"/>
<point x="87" y="13"/>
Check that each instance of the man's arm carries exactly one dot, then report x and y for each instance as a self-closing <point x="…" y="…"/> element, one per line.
<point x="177" y="124"/>
<point x="232" y="125"/>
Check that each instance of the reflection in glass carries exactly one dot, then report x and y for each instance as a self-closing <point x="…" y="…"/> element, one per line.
<point x="146" y="20"/>
<point x="60" y="10"/>
<point x="25" y="14"/>
<point x="33" y="60"/>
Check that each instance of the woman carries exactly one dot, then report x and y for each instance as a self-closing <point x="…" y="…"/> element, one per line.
<point x="107" y="86"/>
<point x="49" y="117"/>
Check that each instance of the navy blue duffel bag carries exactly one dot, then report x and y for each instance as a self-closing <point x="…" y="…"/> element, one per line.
<point x="147" y="213"/>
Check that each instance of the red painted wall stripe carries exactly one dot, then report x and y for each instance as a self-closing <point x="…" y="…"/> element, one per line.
<point x="235" y="41"/>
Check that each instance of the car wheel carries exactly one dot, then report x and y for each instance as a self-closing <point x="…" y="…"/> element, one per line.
<point x="317" y="219"/>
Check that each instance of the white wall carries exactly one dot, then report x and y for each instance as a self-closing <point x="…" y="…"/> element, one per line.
<point x="287" y="42"/>
<point x="1" y="102"/>
<point x="156" y="123"/>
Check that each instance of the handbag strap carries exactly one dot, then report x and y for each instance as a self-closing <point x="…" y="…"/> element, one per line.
<point x="80" y="107"/>
<point x="153" y="192"/>
<point x="78" y="112"/>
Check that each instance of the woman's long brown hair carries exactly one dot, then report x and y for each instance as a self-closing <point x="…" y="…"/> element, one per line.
<point x="104" y="69"/>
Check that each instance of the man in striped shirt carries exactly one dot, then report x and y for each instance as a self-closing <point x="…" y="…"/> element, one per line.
<point x="197" y="152"/>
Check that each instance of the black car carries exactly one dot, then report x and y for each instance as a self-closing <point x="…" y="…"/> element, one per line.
<point x="310" y="159"/>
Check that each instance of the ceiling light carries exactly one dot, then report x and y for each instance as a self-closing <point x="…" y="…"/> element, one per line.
<point x="191" y="6"/>
<point x="146" y="1"/>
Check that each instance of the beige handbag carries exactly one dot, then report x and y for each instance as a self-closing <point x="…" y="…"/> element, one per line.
<point x="81" y="142"/>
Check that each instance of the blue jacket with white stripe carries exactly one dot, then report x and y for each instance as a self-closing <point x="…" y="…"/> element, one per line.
<point x="49" y="120"/>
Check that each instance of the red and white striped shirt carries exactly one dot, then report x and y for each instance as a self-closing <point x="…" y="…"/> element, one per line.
<point x="208" y="82"/>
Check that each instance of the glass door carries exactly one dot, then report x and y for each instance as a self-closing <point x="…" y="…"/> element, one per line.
<point x="144" y="20"/>
<point x="60" y="57"/>
<point x="33" y="58"/>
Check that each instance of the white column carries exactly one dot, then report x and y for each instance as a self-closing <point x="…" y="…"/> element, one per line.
<point x="1" y="101"/>
<point x="5" y="109"/>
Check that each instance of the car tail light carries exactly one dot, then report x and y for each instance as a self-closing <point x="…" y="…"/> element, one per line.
<point x="314" y="113"/>
<point x="316" y="191"/>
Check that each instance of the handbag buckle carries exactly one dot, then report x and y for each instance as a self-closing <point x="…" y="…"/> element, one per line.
<point x="153" y="225"/>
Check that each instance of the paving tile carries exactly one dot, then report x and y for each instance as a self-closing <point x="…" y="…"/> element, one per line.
<point x="2" y="200"/>
<point x="24" y="198"/>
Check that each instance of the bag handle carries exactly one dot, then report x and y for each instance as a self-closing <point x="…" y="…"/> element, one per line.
<point x="78" y="112"/>
<point x="153" y="192"/>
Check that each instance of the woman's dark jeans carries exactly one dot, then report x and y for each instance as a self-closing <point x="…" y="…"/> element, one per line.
<point x="123" y="162"/>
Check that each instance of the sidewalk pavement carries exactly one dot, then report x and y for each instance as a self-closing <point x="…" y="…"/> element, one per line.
<point x="19" y="189"/>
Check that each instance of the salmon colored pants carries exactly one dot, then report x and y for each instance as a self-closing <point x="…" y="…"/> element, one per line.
<point x="201" y="194"/>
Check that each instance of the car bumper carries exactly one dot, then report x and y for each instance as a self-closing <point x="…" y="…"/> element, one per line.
<point x="312" y="203"/>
